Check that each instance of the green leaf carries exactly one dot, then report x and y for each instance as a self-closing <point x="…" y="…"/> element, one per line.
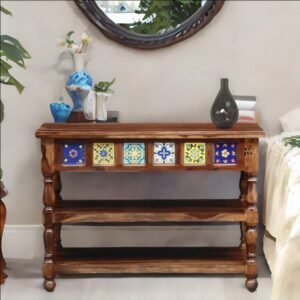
<point x="5" y="11"/>
<point x="1" y="173"/>
<point x="7" y="39"/>
<point x="11" y="52"/>
<point x="6" y="64"/>
<point x="69" y="41"/>
<point x="8" y="79"/>
<point x="1" y="111"/>
<point x="70" y="33"/>
<point x="13" y="81"/>
<point x="103" y="86"/>
<point x="4" y="71"/>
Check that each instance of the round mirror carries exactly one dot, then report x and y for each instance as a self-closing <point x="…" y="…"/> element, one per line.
<point x="150" y="23"/>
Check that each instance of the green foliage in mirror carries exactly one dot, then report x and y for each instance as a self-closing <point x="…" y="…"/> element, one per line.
<point x="161" y="16"/>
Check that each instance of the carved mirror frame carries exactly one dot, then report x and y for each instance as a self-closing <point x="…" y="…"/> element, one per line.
<point x="115" y="32"/>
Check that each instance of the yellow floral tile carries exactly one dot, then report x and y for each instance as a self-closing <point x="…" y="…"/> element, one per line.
<point x="194" y="154"/>
<point x="103" y="154"/>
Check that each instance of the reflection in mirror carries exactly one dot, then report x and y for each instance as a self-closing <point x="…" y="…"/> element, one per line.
<point x="150" y="16"/>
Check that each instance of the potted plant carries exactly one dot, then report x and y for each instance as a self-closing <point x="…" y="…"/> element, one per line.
<point x="103" y="92"/>
<point x="11" y="51"/>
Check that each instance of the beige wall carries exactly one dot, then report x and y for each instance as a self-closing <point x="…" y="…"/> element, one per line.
<point x="256" y="44"/>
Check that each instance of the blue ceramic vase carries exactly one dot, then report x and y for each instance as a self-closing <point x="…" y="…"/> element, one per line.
<point x="60" y="111"/>
<point x="79" y="82"/>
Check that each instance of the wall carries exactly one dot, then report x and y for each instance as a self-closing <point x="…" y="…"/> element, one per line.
<point x="254" y="43"/>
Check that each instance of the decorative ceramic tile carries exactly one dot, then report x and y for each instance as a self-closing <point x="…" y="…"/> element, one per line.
<point x="134" y="153"/>
<point x="73" y="154"/>
<point x="164" y="154"/>
<point x="194" y="153"/>
<point x="104" y="154"/>
<point x="226" y="153"/>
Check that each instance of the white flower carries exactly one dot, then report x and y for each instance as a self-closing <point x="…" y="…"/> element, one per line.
<point x="85" y="39"/>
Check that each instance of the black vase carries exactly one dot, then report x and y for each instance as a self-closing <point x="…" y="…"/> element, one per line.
<point x="224" y="112"/>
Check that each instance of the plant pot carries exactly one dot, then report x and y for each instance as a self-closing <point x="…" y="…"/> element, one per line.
<point x="101" y="111"/>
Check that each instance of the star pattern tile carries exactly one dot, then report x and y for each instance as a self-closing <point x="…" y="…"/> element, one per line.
<point x="104" y="154"/>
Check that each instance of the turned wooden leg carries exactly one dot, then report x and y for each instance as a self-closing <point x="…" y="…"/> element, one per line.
<point x="251" y="233"/>
<point x="49" y="199"/>
<point x="57" y="187"/>
<point x="243" y="193"/>
<point x="58" y="198"/>
<point x="3" y="276"/>
<point x="57" y="231"/>
<point x="48" y="266"/>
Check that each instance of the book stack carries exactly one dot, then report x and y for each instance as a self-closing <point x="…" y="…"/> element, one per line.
<point x="246" y="106"/>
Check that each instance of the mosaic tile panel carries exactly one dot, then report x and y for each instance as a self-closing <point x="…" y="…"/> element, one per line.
<point x="194" y="154"/>
<point x="225" y="153"/>
<point x="164" y="154"/>
<point x="73" y="154"/>
<point x="104" y="154"/>
<point x="134" y="154"/>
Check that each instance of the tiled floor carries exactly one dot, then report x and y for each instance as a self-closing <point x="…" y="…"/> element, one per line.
<point x="25" y="283"/>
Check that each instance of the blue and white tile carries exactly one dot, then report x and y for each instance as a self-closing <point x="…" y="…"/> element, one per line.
<point x="73" y="154"/>
<point x="226" y="153"/>
<point x="164" y="154"/>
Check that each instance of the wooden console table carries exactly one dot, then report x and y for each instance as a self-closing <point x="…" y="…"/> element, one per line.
<point x="143" y="148"/>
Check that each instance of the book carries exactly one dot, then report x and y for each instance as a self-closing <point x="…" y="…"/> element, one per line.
<point x="247" y="115"/>
<point x="246" y="106"/>
<point x="245" y="102"/>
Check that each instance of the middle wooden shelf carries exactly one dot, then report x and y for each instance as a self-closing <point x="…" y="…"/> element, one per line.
<point x="149" y="211"/>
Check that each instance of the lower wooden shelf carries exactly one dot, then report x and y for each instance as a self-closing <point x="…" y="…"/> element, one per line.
<point x="149" y="211"/>
<point x="124" y="261"/>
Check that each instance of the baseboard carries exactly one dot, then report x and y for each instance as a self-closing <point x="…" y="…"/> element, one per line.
<point x="26" y="241"/>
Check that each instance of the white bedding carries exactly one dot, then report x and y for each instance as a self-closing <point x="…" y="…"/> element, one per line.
<point x="282" y="217"/>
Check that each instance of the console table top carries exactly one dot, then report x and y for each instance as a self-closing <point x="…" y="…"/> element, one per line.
<point x="147" y="131"/>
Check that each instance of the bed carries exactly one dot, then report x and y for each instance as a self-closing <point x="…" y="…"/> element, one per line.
<point x="282" y="216"/>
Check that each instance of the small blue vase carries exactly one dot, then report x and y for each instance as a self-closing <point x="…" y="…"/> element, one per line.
<point x="60" y="111"/>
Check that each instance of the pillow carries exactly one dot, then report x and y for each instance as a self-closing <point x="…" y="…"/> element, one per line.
<point x="291" y="120"/>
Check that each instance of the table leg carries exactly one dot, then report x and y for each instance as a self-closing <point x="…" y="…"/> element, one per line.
<point x="251" y="233"/>
<point x="49" y="198"/>
<point x="243" y="193"/>
<point x="58" y="198"/>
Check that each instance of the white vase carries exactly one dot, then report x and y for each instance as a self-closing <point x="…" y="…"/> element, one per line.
<point x="79" y="60"/>
<point x="101" y="112"/>
<point x="89" y="106"/>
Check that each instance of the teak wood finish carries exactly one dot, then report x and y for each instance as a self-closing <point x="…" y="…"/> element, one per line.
<point x="58" y="212"/>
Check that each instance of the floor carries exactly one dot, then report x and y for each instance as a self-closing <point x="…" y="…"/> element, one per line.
<point x="25" y="283"/>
